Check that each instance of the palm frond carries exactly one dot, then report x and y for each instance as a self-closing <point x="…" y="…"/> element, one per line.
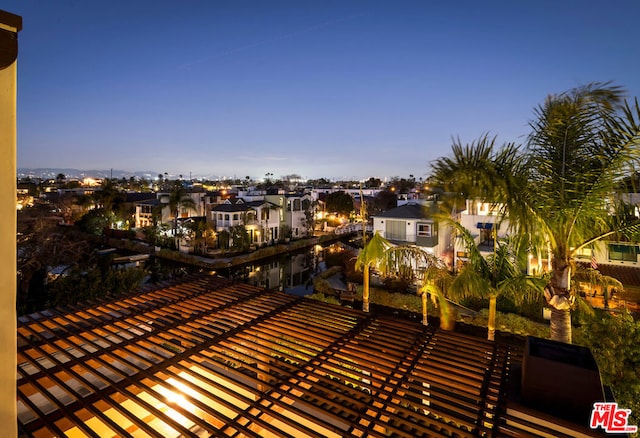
<point x="582" y="143"/>
<point x="596" y="278"/>
<point x="373" y="252"/>
<point x="476" y="259"/>
<point x="469" y="283"/>
<point x="523" y="288"/>
<point x="447" y="317"/>
<point x="467" y="173"/>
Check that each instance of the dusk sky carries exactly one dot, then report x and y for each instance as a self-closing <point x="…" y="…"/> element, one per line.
<point x="336" y="89"/>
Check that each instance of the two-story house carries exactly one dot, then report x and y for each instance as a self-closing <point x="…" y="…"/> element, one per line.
<point x="261" y="219"/>
<point x="296" y="209"/>
<point x="485" y="222"/>
<point x="159" y="205"/>
<point x="412" y="223"/>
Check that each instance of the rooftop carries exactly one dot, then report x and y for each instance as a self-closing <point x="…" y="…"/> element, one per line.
<point x="206" y="356"/>
<point x="406" y="211"/>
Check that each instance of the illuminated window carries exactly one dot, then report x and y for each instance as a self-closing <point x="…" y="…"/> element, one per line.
<point x="625" y="253"/>
<point x="424" y="230"/>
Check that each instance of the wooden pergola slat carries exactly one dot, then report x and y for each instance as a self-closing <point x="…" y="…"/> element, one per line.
<point x="251" y="362"/>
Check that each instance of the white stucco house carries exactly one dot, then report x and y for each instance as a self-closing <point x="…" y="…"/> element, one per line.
<point x="293" y="211"/>
<point x="260" y="218"/>
<point x="412" y="223"/>
<point x="145" y="209"/>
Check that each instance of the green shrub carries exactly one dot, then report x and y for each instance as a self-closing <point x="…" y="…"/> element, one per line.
<point x="322" y="297"/>
<point x="474" y="303"/>
<point x="512" y="323"/>
<point x="397" y="284"/>
<point x="614" y="342"/>
<point x="532" y="309"/>
<point x="505" y="304"/>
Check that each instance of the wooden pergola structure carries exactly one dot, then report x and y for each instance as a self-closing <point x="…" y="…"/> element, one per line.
<point x="208" y="357"/>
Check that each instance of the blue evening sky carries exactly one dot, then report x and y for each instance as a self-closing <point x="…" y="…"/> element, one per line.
<point x="337" y="89"/>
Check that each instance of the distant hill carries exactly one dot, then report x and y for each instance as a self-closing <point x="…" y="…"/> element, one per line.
<point x="46" y="173"/>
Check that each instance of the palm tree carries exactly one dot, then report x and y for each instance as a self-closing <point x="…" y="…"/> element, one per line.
<point x="497" y="274"/>
<point x="199" y="232"/>
<point x="429" y="271"/>
<point x="179" y="198"/>
<point x="370" y="256"/>
<point x="583" y="143"/>
<point x="407" y="262"/>
<point x="108" y="195"/>
<point x="595" y="279"/>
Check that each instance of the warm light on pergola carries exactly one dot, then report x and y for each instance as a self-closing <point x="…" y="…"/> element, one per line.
<point x="205" y="356"/>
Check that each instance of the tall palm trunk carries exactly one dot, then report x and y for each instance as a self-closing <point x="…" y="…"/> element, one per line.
<point x="369" y="256"/>
<point x="561" y="325"/>
<point x="558" y="297"/>
<point x="425" y="320"/>
<point x="365" y="288"/>
<point x="491" y="324"/>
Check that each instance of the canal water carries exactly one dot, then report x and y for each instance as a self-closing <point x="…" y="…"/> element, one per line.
<point x="292" y="273"/>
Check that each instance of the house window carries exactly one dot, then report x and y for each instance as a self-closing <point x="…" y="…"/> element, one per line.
<point x="395" y="230"/>
<point x="235" y="216"/>
<point x="219" y="216"/>
<point x="584" y="253"/>
<point x="424" y="230"/>
<point x="625" y="253"/>
<point x="226" y="217"/>
<point x="487" y="237"/>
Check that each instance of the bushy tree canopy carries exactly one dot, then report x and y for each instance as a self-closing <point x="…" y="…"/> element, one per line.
<point x="339" y="202"/>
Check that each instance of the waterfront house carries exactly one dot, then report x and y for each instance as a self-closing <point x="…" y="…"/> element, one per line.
<point x="413" y="224"/>
<point x="261" y="219"/>
<point x="158" y="204"/>
<point x="295" y="208"/>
